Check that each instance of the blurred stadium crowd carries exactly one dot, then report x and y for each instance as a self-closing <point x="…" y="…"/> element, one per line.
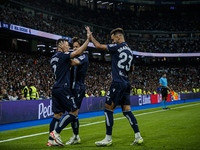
<point x="62" y="26"/>
<point x="112" y="20"/>
<point x="16" y="68"/>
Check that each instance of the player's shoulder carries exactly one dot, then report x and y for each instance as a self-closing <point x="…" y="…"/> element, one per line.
<point x="163" y="79"/>
<point x="124" y="46"/>
<point x="118" y="44"/>
<point x="113" y="45"/>
<point x="64" y="55"/>
<point x="57" y="54"/>
<point x="83" y="56"/>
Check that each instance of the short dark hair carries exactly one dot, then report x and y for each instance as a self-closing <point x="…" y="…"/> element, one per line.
<point x="61" y="40"/>
<point x="78" y="40"/>
<point x="117" y="31"/>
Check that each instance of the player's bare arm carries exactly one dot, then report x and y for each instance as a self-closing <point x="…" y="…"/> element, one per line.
<point x="95" y="42"/>
<point x="165" y="86"/>
<point x="162" y="85"/>
<point x="74" y="62"/>
<point x="83" y="47"/>
<point x="80" y="50"/>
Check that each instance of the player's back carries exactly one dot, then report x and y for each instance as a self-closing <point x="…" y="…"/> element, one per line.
<point x="60" y="63"/>
<point x="78" y="73"/>
<point x="122" y="60"/>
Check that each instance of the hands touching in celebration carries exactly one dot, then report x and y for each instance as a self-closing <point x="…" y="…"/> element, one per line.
<point x="89" y="33"/>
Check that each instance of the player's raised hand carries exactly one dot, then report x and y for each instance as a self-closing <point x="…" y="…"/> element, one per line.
<point x="89" y="33"/>
<point x="88" y="29"/>
<point x="63" y="46"/>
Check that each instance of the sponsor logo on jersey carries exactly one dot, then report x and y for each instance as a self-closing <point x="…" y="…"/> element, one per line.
<point x="112" y="45"/>
<point x="81" y="57"/>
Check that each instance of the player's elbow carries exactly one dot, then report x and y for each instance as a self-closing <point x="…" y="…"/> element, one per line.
<point x="79" y="52"/>
<point x="98" y="46"/>
<point x="76" y="54"/>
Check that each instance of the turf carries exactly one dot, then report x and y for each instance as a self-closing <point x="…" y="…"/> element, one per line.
<point x="175" y="129"/>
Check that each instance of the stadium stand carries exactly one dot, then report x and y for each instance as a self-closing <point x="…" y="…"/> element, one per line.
<point x="18" y="67"/>
<point x="146" y="21"/>
<point x="166" y="45"/>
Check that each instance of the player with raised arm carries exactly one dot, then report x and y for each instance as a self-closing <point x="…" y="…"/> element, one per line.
<point x="62" y="97"/>
<point x="119" y="92"/>
<point x="78" y="74"/>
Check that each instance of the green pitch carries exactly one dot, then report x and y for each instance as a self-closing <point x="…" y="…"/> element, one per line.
<point x="175" y="129"/>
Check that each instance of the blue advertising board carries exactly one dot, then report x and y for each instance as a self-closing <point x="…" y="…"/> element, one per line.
<point x="17" y="111"/>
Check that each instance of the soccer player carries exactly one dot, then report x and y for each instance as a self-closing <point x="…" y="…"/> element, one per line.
<point x="164" y="87"/>
<point x="119" y="92"/>
<point x="78" y="74"/>
<point x="62" y="97"/>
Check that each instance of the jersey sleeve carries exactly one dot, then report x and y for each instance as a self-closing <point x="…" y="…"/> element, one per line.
<point x="112" y="47"/>
<point x="82" y="59"/>
<point x="160" y="81"/>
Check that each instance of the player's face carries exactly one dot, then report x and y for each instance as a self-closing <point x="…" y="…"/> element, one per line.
<point x="164" y="75"/>
<point x="115" y="39"/>
<point x="76" y="46"/>
<point x="66" y="46"/>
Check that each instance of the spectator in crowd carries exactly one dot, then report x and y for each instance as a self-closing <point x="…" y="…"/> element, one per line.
<point x="5" y="95"/>
<point x="130" y="22"/>
<point x="21" y="97"/>
<point x="146" y="20"/>
<point x="14" y="96"/>
<point x="18" y="67"/>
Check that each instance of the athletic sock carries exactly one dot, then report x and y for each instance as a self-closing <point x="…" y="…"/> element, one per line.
<point x="109" y="121"/>
<point x="76" y="136"/>
<point x="162" y="103"/>
<point x="75" y="126"/>
<point x="54" y="123"/>
<point x="165" y="104"/>
<point x="137" y="135"/>
<point x="108" y="137"/>
<point x="65" y="121"/>
<point x="132" y="120"/>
